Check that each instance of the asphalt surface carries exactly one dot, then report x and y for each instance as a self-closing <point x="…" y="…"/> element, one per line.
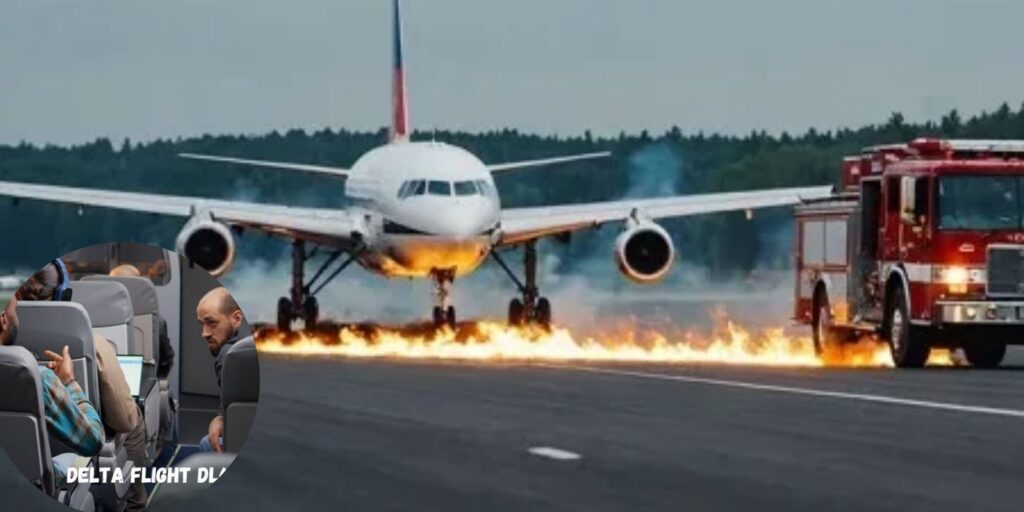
<point x="388" y="435"/>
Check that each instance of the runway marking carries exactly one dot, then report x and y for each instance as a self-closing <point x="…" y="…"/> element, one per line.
<point x="882" y="399"/>
<point x="553" y="453"/>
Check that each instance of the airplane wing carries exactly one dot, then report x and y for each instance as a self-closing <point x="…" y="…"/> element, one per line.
<point x="546" y="161"/>
<point x="524" y="224"/>
<point x="319" y="224"/>
<point x="314" y="169"/>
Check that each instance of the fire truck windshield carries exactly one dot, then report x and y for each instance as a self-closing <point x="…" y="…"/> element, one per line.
<point x="980" y="202"/>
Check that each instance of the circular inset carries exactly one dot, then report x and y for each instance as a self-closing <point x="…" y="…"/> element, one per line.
<point x="128" y="378"/>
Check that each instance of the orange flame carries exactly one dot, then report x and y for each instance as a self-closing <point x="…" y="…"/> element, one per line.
<point x="729" y="343"/>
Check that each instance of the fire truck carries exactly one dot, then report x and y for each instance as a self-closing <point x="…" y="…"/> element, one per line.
<point x="922" y="246"/>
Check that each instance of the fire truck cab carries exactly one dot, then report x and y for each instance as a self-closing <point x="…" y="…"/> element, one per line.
<point x="923" y="246"/>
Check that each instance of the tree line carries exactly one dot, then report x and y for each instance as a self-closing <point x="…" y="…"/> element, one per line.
<point x="642" y="164"/>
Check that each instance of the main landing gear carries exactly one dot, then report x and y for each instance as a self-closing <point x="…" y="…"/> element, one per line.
<point x="444" y="312"/>
<point x="531" y="307"/>
<point x="301" y="302"/>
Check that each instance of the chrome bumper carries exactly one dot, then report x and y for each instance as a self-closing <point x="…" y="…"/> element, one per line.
<point x="981" y="312"/>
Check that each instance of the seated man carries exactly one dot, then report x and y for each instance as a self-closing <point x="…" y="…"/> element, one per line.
<point x="166" y="351"/>
<point x="221" y="319"/>
<point x="70" y="417"/>
<point x="120" y="412"/>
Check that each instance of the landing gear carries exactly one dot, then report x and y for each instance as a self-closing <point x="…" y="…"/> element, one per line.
<point x="516" y="312"/>
<point x="301" y="302"/>
<point x="310" y="312"/>
<point x="531" y="307"/>
<point x="444" y="312"/>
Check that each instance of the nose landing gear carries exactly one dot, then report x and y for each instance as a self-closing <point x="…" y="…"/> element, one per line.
<point x="530" y="308"/>
<point x="444" y="312"/>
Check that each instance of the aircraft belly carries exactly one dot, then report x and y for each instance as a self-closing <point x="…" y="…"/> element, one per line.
<point x="417" y="255"/>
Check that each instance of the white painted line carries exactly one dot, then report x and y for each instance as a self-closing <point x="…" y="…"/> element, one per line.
<point x="882" y="399"/>
<point x="553" y="453"/>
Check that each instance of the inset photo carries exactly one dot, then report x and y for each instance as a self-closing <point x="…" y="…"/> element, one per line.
<point x="129" y="378"/>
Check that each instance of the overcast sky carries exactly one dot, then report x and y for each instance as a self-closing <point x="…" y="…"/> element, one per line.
<point x="71" y="71"/>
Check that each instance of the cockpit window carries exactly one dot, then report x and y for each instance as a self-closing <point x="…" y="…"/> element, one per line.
<point x="412" y="188"/>
<point x="485" y="188"/>
<point x="466" y="188"/>
<point x="439" y="188"/>
<point x="445" y="188"/>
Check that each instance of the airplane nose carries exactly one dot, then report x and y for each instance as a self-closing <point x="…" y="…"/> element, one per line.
<point x="465" y="220"/>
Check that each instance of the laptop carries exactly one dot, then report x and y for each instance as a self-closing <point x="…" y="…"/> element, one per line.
<point x="131" y="365"/>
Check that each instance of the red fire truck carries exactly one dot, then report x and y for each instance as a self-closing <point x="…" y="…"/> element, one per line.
<point x="923" y="246"/>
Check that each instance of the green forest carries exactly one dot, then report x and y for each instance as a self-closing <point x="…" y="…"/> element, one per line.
<point x="643" y="165"/>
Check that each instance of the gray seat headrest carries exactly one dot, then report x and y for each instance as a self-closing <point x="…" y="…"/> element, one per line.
<point x="107" y="302"/>
<point x="51" y="326"/>
<point x="19" y="373"/>
<point x="140" y="289"/>
<point x="240" y="380"/>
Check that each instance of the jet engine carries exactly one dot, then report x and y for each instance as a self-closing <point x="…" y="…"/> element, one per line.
<point x="644" y="251"/>
<point x="207" y="243"/>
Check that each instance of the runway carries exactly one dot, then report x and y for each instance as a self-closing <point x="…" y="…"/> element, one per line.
<point x="392" y="435"/>
<point x="408" y="436"/>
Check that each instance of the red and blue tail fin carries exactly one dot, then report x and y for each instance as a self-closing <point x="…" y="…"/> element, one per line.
<point x="399" y="100"/>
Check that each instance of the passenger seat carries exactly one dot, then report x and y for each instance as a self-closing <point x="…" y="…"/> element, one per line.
<point x="110" y="309"/>
<point x="239" y="392"/>
<point x="22" y="425"/>
<point x="51" y="326"/>
<point x="146" y="339"/>
<point x="110" y="306"/>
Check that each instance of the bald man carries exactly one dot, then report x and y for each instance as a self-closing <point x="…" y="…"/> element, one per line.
<point x="125" y="270"/>
<point x="221" y="319"/>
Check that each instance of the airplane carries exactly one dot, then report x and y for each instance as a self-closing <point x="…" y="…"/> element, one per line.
<point x="417" y="210"/>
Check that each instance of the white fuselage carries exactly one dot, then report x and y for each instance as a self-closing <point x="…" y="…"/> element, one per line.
<point x="429" y="207"/>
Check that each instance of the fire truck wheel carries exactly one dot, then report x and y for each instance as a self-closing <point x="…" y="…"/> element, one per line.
<point x="824" y="334"/>
<point x="907" y="342"/>
<point x="985" y="354"/>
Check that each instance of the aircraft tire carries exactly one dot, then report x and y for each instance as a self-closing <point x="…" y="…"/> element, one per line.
<point x="515" y="312"/>
<point x="284" y="314"/>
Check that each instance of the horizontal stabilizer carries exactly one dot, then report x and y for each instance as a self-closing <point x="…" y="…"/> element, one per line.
<point x="547" y="161"/>
<point x="315" y="169"/>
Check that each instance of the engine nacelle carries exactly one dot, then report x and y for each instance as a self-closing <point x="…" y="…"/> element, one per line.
<point x="644" y="251"/>
<point x="207" y="243"/>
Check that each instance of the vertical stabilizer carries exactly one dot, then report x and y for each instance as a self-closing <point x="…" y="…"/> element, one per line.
<point x="399" y="100"/>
